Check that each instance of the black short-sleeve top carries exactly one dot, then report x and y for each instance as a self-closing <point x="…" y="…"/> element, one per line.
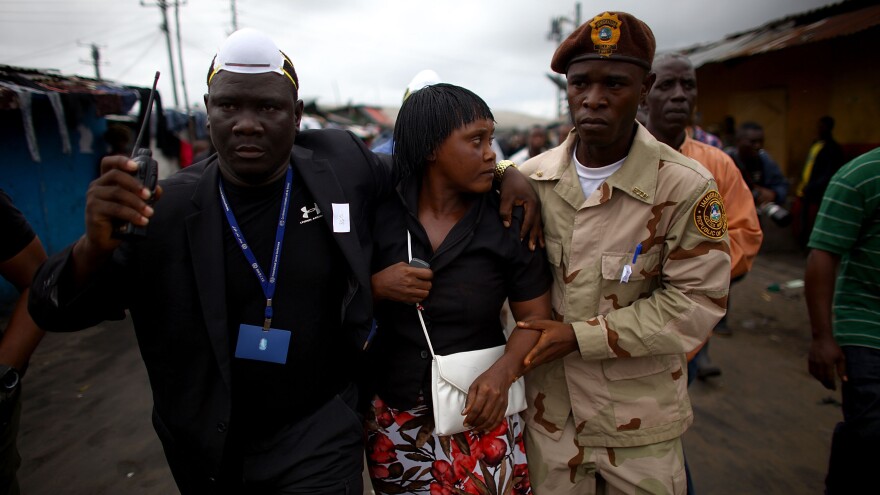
<point x="16" y="232"/>
<point x="477" y="266"/>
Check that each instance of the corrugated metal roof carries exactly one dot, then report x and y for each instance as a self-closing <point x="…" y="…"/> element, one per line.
<point x="110" y="97"/>
<point x="785" y="34"/>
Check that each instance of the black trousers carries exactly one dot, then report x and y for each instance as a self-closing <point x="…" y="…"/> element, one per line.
<point x="855" y="446"/>
<point x="10" y="460"/>
<point x="320" y="454"/>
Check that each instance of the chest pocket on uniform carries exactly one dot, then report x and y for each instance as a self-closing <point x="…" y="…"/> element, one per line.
<point x="644" y="279"/>
<point x="553" y="248"/>
<point x="554" y="257"/>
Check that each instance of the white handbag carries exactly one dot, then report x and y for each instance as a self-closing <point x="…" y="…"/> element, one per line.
<point x="452" y="376"/>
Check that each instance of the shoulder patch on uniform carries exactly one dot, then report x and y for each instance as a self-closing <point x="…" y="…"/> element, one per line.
<point x="709" y="216"/>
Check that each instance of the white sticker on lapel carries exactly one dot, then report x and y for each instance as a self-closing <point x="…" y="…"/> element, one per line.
<point x="341" y="219"/>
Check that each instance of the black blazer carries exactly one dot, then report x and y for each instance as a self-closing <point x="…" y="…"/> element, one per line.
<point x="173" y="284"/>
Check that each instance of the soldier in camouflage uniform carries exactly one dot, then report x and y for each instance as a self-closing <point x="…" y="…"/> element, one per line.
<point x="636" y="236"/>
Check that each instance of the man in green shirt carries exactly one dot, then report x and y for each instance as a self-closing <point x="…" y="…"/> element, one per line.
<point x="845" y="243"/>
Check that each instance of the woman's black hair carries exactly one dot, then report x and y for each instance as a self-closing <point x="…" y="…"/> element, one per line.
<point x="428" y="117"/>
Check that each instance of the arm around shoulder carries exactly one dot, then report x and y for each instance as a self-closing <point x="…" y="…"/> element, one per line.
<point x="516" y="190"/>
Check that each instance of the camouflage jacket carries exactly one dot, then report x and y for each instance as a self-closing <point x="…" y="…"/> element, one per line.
<point x="628" y="384"/>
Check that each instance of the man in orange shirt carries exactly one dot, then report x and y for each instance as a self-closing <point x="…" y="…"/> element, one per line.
<point x="670" y="104"/>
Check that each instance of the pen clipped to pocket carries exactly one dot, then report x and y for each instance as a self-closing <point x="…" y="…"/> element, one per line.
<point x="627" y="268"/>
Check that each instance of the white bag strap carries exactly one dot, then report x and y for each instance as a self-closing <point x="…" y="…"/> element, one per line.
<point x="418" y="306"/>
<point x="408" y="246"/>
<point x="422" y="321"/>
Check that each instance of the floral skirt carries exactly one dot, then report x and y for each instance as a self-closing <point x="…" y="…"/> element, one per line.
<point x="405" y="456"/>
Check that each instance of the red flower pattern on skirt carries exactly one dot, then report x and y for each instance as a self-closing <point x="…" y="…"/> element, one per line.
<point x="405" y="456"/>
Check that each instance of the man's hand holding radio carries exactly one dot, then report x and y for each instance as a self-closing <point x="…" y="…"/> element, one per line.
<point x="115" y="197"/>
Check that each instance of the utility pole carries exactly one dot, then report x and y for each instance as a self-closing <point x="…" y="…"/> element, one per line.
<point x="96" y="59"/>
<point x="180" y="56"/>
<point x="559" y="31"/>
<point x="190" y="124"/>
<point x="234" y="17"/>
<point x="163" y="6"/>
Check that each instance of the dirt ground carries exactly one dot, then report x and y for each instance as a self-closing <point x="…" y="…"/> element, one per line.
<point x="764" y="426"/>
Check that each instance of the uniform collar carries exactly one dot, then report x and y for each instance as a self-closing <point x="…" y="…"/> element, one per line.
<point x="637" y="177"/>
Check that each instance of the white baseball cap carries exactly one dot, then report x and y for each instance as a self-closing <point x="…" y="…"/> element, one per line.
<point x="424" y="78"/>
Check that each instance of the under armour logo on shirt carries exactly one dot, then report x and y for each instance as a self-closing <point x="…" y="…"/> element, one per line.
<point x="306" y="211"/>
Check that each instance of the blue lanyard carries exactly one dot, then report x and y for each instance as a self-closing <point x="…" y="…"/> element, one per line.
<point x="267" y="285"/>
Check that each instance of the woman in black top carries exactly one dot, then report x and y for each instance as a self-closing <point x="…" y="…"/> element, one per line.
<point x="446" y="204"/>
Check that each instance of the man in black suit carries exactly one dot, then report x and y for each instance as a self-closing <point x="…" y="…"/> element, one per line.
<point x="252" y="386"/>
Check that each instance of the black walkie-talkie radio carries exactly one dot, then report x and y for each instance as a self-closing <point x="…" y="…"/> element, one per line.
<point x="147" y="172"/>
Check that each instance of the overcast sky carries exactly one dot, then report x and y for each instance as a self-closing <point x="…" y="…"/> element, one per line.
<point x="355" y="50"/>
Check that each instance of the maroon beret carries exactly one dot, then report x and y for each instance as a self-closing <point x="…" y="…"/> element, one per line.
<point x="609" y="36"/>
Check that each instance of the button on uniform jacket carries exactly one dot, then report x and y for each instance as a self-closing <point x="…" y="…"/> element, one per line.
<point x="627" y="384"/>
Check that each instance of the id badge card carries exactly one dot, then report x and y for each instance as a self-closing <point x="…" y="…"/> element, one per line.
<point x="269" y="346"/>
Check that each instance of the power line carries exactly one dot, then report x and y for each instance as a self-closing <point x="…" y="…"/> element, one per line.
<point x="62" y="12"/>
<point x="43" y="51"/>
<point x="140" y="56"/>
<point x="30" y="9"/>
<point x="102" y="17"/>
<point x="201" y="48"/>
<point x="58" y="22"/>
<point x="65" y="45"/>
<point x="135" y="41"/>
<point x="44" y="2"/>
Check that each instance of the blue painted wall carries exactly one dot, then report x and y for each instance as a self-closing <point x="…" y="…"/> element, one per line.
<point x="50" y="193"/>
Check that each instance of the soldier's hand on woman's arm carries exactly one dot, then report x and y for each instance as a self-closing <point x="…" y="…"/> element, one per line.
<point x="557" y="340"/>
